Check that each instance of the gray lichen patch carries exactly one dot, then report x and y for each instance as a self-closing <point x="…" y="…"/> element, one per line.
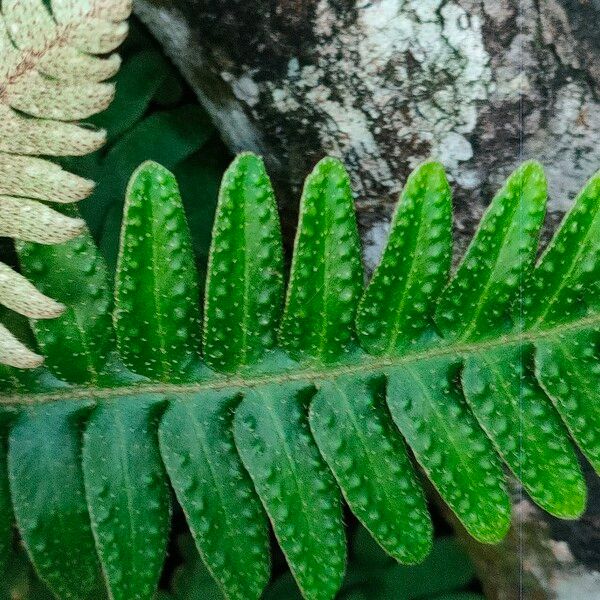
<point x="386" y="84"/>
<point x="567" y="142"/>
<point x="405" y="74"/>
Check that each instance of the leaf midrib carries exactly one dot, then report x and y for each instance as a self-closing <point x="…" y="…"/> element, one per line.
<point x="129" y="486"/>
<point x="370" y="364"/>
<point x="246" y="315"/>
<point x="380" y="489"/>
<point x="324" y="287"/>
<point x="204" y="448"/>
<point x="155" y="265"/>
<point x="408" y="284"/>
<point x="491" y="280"/>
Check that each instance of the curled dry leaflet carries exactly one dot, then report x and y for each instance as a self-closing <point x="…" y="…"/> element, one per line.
<point x="271" y="403"/>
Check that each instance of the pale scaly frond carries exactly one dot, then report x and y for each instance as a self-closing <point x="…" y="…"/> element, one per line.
<point x="50" y="79"/>
<point x="15" y="354"/>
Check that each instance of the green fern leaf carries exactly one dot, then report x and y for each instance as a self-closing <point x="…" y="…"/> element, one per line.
<point x="156" y="289"/>
<point x="46" y="483"/>
<point x="297" y="490"/>
<point x="432" y="415"/>
<point x="326" y="278"/>
<point x="78" y="342"/>
<point x="397" y="307"/>
<point x="478" y="300"/>
<point x="127" y="494"/>
<point x="358" y="440"/>
<point x="294" y="405"/>
<point x="244" y="284"/>
<point x="221" y="507"/>
<point x="567" y="363"/>
<point x="50" y="77"/>
<point x="528" y="434"/>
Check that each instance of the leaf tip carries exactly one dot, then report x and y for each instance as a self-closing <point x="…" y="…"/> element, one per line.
<point x="430" y="175"/>
<point x="592" y="187"/>
<point x="328" y="173"/>
<point x="51" y="309"/>
<point x="532" y="172"/>
<point x="99" y="139"/>
<point x="247" y="159"/>
<point x="15" y="354"/>
<point x="148" y="174"/>
<point x="246" y="167"/>
<point x="85" y="188"/>
<point x="150" y="166"/>
<point x="330" y="165"/>
<point x="59" y="229"/>
<point x="33" y="361"/>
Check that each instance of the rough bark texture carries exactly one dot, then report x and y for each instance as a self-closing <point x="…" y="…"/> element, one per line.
<point x="385" y="84"/>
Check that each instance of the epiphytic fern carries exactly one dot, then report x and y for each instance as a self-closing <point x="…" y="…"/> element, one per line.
<point x="50" y="76"/>
<point x="295" y="401"/>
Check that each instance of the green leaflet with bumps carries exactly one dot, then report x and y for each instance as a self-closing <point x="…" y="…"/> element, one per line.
<point x="273" y="439"/>
<point x="326" y="278"/>
<point x="433" y="417"/>
<point x="244" y="284"/>
<point x="568" y="369"/>
<point x="46" y="483"/>
<point x="156" y="288"/>
<point x="81" y="354"/>
<point x="292" y="405"/>
<point x="368" y="458"/>
<point x="478" y="301"/>
<point x="397" y="307"/>
<point x="527" y="432"/>
<point x="127" y="494"/>
<point x="221" y="507"/>
<point x="567" y="365"/>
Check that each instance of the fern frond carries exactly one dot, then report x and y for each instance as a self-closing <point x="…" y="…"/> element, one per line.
<point x="301" y="401"/>
<point x="50" y="77"/>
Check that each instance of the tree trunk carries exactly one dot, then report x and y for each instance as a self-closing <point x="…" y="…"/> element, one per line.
<point x="384" y="85"/>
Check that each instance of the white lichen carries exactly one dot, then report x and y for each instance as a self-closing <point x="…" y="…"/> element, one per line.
<point x="374" y="239"/>
<point x="417" y="70"/>
<point x="567" y="144"/>
<point x="578" y="583"/>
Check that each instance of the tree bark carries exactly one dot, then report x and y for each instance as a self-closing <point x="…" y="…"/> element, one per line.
<point x="384" y="85"/>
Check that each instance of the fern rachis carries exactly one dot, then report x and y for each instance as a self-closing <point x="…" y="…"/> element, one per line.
<point x="291" y="403"/>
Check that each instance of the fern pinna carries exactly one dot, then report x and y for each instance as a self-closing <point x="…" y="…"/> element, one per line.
<point x="298" y="401"/>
